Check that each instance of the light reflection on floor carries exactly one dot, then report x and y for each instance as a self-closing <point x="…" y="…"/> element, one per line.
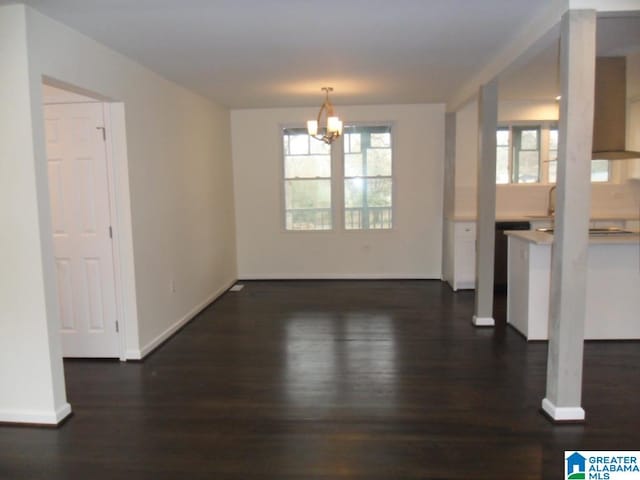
<point x="345" y="360"/>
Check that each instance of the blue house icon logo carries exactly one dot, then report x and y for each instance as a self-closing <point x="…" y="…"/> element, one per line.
<point x="576" y="466"/>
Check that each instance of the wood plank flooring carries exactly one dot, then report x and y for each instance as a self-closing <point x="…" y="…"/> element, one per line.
<point x="330" y="380"/>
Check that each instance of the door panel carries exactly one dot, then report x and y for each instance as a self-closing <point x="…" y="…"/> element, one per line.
<point x="79" y="194"/>
<point x="65" y="294"/>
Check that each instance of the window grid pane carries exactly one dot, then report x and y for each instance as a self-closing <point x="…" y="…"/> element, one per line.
<point x="502" y="155"/>
<point x="526" y="155"/>
<point x="307" y="182"/>
<point x="525" y="145"/>
<point x="553" y="170"/>
<point x="368" y="183"/>
<point x="600" y="170"/>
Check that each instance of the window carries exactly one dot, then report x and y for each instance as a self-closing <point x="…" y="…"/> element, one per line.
<point x="368" y="182"/>
<point x="553" y="155"/>
<point x="366" y="188"/>
<point x="600" y="170"/>
<point x="518" y="154"/>
<point x="526" y="155"/>
<point x="307" y="182"/>
<point x="502" y="157"/>
<point x="529" y="154"/>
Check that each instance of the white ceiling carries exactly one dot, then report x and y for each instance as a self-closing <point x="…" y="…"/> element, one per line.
<point x="617" y="35"/>
<point x="266" y="53"/>
<point x="271" y="53"/>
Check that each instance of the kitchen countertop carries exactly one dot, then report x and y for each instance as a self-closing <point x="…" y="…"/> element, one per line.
<point x="499" y="218"/>
<point x="544" y="238"/>
<point x="531" y="217"/>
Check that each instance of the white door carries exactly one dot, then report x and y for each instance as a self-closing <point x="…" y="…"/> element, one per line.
<point x="79" y="190"/>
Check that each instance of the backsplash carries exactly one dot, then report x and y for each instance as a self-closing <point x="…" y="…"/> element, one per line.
<point x="515" y="200"/>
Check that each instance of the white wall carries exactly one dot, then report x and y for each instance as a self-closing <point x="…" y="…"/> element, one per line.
<point x="179" y="173"/>
<point x="466" y="162"/>
<point x="411" y="250"/>
<point x="180" y="178"/>
<point x="522" y="111"/>
<point x="31" y="373"/>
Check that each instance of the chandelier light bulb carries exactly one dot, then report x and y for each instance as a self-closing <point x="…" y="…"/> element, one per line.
<point x="332" y="125"/>
<point x="312" y="127"/>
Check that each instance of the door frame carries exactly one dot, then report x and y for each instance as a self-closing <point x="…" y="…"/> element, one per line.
<point x="119" y="213"/>
<point x="115" y="239"/>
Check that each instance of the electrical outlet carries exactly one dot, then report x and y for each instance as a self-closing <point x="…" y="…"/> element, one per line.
<point x="172" y="286"/>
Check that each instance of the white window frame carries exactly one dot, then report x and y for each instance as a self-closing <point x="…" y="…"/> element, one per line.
<point x="284" y="178"/>
<point x="544" y="127"/>
<point x="337" y="179"/>
<point x="341" y="161"/>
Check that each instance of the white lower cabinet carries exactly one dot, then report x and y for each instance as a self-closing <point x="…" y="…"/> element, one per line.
<point x="464" y="255"/>
<point x="460" y="271"/>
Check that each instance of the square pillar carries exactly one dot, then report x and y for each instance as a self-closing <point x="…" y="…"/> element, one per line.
<point x="567" y="306"/>
<point x="486" y="203"/>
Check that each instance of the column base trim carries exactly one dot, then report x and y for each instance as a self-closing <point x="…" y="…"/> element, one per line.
<point x="562" y="414"/>
<point x="483" y="321"/>
<point x="31" y="417"/>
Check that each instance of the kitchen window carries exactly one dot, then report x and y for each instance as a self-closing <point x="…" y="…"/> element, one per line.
<point x="526" y="155"/>
<point x="368" y="179"/>
<point x="529" y="154"/>
<point x="307" y="182"/>
<point x="518" y="154"/>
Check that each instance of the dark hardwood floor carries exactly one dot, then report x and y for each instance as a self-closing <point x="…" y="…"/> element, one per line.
<point x="329" y="380"/>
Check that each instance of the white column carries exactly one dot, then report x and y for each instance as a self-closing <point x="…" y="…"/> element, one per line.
<point x="486" y="203"/>
<point x="569" y="253"/>
<point x="31" y="374"/>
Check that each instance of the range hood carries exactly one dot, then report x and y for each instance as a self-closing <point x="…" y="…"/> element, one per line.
<point x="609" y="122"/>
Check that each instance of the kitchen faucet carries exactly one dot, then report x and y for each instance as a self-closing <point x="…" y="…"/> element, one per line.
<point x="551" y="202"/>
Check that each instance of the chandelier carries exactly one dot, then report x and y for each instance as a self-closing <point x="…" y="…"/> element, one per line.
<point x="333" y="128"/>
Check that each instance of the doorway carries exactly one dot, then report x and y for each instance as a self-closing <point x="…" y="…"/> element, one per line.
<point x="80" y="188"/>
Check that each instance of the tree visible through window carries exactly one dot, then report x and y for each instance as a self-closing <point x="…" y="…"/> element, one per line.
<point x="368" y="181"/>
<point x="526" y="155"/>
<point x="529" y="154"/>
<point x="502" y="155"/>
<point x="307" y="181"/>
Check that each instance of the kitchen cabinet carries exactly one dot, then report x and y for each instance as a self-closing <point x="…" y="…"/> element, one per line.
<point x="610" y="313"/>
<point x="464" y="255"/>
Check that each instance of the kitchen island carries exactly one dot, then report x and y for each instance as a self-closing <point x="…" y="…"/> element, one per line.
<point x="613" y="285"/>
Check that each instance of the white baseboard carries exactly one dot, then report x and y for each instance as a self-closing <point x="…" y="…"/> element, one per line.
<point x="340" y="276"/>
<point x="483" y="321"/>
<point x="157" y="341"/>
<point x="36" y="417"/>
<point x="563" y="414"/>
<point x="464" y="285"/>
